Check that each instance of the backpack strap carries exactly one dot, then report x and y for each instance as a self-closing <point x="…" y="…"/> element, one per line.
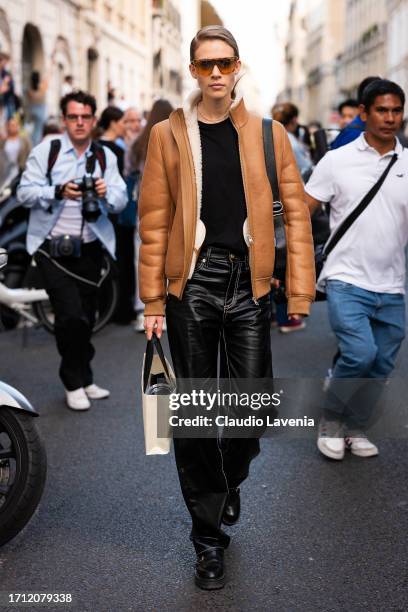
<point x="52" y="157"/>
<point x="98" y="156"/>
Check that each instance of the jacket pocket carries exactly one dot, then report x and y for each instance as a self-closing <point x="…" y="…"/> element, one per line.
<point x="174" y="266"/>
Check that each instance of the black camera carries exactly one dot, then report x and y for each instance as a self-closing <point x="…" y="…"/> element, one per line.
<point x="90" y="202"/>
<point x="65" y="246"/>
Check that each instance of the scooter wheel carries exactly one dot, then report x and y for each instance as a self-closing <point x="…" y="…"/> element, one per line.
<point x="23" y="469"/>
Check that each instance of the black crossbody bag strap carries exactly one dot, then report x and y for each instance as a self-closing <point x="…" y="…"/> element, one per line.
<point x="279" y="226"/>
<point x="348" y="221"/>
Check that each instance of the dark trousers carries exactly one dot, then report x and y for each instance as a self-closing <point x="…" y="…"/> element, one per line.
<point x="216" y="311"/>
<point x="74" y="303"/>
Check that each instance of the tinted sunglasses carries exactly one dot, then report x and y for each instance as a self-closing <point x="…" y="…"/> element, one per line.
<point x="225" y="65"/>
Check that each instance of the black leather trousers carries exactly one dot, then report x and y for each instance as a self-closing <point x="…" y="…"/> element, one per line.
<point x="216" y="312"/>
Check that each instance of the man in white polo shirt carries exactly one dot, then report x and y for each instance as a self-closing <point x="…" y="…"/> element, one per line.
<point x="364" y="275"/>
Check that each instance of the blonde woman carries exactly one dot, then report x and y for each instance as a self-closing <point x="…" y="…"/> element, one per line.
<point x="206" y="262"/>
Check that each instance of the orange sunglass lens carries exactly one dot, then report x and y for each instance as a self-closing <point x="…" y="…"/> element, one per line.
<point x="225" y="66"/>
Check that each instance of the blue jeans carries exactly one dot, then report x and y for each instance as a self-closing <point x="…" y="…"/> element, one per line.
<point x="369" y="327"/>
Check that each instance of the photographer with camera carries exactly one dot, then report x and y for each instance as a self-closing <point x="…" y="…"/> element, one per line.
<point x="71" y="184"/>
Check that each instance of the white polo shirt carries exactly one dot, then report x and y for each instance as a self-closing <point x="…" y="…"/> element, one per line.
<point x="371" y="254"/>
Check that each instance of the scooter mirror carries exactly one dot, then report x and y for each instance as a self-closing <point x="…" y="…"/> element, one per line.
<point x="3" y="258"/>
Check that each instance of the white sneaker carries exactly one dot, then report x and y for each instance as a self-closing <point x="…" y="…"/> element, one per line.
<point x="77" y="399"/>
<point x="330" y="441"/>
<point x="360" y="445"/>
<point x="95" y="392"/>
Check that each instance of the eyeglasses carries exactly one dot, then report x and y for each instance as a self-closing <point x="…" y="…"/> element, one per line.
<point x="76" y="118"/>
<point x="226" y="65"/>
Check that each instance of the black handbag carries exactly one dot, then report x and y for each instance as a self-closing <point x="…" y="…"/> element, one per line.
<point x="278" y="223"/>
<point x="323" y="250"/>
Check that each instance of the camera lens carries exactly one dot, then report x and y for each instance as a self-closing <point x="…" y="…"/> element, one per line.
<point x="66" y="247"/>
<point x="90" y="203"/>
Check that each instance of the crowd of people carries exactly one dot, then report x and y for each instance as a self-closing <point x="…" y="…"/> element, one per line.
<point x="194" y="241"/>
<point x="25" y="124"/>
<point x="120" y="140"/>
<point x="125" y="131"/>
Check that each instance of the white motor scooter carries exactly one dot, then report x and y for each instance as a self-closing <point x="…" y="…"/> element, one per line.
<point x="23" y="462"/>
<point x="21" y="300"/>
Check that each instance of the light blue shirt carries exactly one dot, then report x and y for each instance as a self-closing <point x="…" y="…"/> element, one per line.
<point x="34" y="192"/>
<point x="303" y="161"/>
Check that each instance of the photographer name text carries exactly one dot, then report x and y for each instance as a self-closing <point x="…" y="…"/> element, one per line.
<point x="249" y="421"/>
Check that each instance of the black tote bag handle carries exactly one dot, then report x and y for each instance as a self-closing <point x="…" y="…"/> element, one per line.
<point x="151" y="346"/>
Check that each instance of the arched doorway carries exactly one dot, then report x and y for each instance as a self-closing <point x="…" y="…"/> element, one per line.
<point x="62" y="68"/>
<point x="33" y="54"/>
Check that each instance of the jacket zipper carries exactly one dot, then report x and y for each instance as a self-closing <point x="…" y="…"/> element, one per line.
<point x="250" y="238"/>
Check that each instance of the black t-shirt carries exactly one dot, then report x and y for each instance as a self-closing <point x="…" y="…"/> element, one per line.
<point x="223" y="209"/>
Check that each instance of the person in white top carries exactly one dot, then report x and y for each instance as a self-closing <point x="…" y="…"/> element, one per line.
<point x="364" y="275"/>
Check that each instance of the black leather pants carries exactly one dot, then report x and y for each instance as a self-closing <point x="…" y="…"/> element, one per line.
<point x="216" y="311"/>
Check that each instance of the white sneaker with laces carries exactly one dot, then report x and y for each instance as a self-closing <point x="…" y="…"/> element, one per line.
<point x="77" y="399"/>
<point x="95" y="392"/>
<point x="360" y="445"/>
<point x="330" y="440"/>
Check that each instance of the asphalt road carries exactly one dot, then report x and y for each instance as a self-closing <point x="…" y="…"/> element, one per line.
<point x="112" y="528"/>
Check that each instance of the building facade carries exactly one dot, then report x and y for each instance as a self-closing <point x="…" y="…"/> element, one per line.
<point x="114" y="43"/>
<point x="314" y="42"/>
<point x="294" y="89"/>
<point x="191" y="23"/>
<point x="325" y="28"/>
<point x="365" y="47"/>
<point x="100" y="43"/>
<point x="167" y="50"/>
<point x="397" y="42"/>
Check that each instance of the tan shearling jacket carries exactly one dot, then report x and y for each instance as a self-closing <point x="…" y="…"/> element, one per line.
<point x="172" y="232"/>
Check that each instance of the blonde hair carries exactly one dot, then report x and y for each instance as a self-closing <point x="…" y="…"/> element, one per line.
<point x="213" y="32"/>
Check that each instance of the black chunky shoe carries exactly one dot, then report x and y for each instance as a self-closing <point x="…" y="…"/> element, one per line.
<point x="232" y="508"/>
<point x="209" y="569"/>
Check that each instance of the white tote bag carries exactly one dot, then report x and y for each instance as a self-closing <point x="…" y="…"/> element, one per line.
<point x="158" y="382"/>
